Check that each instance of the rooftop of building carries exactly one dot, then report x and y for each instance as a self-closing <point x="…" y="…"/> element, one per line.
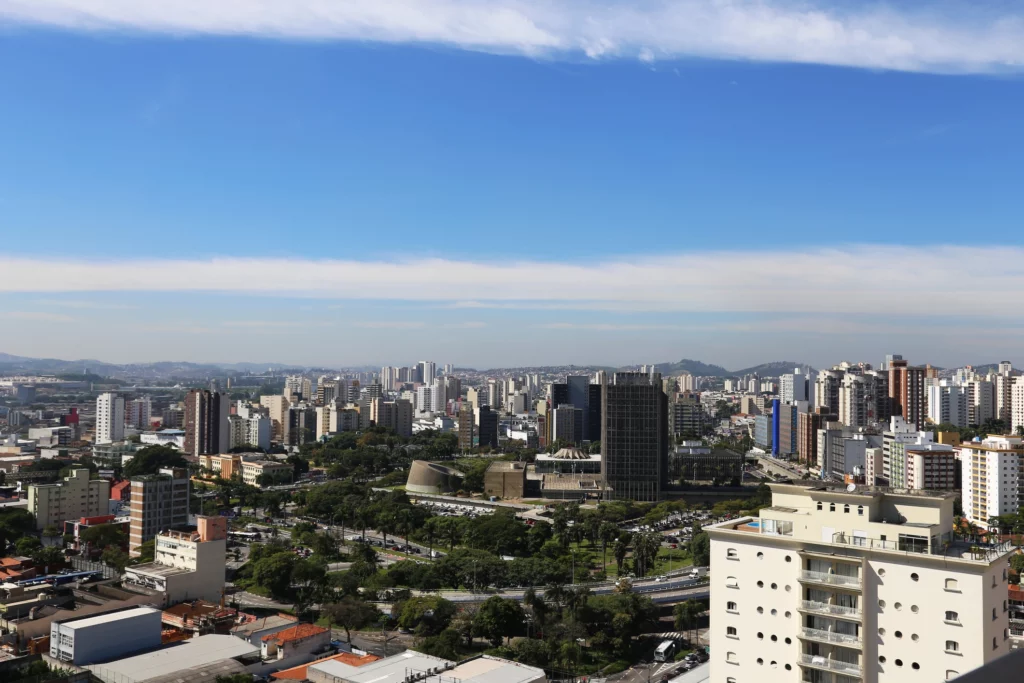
<point x="569" y="453"/>
<point x="571" y="482"/>
<point x="297" y="632"/>
<point x="157" y="570"/>
<point x="858" y="490"/>
<point x="262" y="624"/>
<point x="109" y="617"/>
<point x="298" y="673"/>
<point x="503" y="466"/>
<point x="186" y="656"/>
<point x="195" y="610"/>
<point x="393" y="669"/>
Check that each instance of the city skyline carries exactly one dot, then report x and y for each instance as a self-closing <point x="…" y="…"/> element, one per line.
<point x="526" y="185"/>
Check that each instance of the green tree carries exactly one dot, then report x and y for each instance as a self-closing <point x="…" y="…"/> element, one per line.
<point x="499" y="618"/>
<point x="427" y="614"/>
<point x="14" y="524"/>
<point x="351" y="613"/>
<point x="700" y="548"/>
<point x="274" y="573"/>
<point x="115" y="557"/>
<point x="26" y="545"/>
<point x="150" y="459"/>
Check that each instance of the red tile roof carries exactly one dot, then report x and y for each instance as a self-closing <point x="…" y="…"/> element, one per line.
<point x="298" y="673"/>
<point x="297" y="632"/>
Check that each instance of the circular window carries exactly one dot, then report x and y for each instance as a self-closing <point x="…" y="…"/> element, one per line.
<point x="788" y="589"/>
<point x="881" y="659"/>
<point x="760" y="584"/>
<point x="775" y="639"/>
<point x="899" y="662"/>
<point x="788" y="558"/>
<point x="775" y="612"/>
<point x="881" y="631"/>
<point x="881" y="572"/>
<point x="914" y="637"/>
<point x="913" y="608"/>
<point x="775" y="586"/>
<point x="898" y="634"/>
<point x="881" y="604"/>
<point x="915" y="666"/>
<point x="789" y="614"/>
<point x="898" y="606"/>
<point x="789" y="641"/>
<point x="760" y="636"/>
<point x="789" y="667"/>
<point x="760" y="610"/>
<point x="914" y="577"/>
<point x="760" y="661"/>
<point x="775" y="665"/>
<point x="760" y="556"/>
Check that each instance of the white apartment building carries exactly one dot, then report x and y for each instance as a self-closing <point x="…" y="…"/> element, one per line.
<point x="947" y="404"/>
<point x="981" y="400"/>
<point x="187" y="565"/>
<point x="249" y="431"/>
<point x="853" y="585"/>
<point x="109" y="418"/>
<point x="1017" y="404"/>
<point x="990" y="477"/>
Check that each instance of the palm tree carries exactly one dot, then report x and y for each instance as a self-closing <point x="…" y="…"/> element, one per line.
<point x="607" y="532"/>
<point x="620" y="550"/>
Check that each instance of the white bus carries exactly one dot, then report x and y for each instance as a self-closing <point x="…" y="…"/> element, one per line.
<point x="665" y="651"/>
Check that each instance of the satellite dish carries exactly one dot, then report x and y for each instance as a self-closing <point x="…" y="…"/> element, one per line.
<point x="851" y="488"/>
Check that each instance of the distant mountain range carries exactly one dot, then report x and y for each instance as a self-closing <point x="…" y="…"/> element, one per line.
<point x="10" y="364"/>
<point x="696" y="367"/>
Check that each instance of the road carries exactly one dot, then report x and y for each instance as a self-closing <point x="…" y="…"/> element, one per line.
<point x="780" y="467"/>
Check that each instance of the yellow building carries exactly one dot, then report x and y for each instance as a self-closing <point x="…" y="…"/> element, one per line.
<point x="75" y="497"/>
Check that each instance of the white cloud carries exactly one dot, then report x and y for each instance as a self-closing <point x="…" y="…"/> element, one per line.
<point x="937" y="36"/>
<point x="389" y="324"/>
<point x="894" y="280"/>
<point x="76" y="303"/>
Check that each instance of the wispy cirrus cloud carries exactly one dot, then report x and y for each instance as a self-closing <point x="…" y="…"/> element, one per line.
<point x="38" y="316"/>
<point x="868" y="279"/>
<point x="83" y="305"/>
<point x="935" y="36"/>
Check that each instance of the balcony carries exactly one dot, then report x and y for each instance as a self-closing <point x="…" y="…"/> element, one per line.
<point x="825" y="664"/>
<point x="820" y="636"/>
<point x="830" y="579"/>
<point x="829" y="610"/>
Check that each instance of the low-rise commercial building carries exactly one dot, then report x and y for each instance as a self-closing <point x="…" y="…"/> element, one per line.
<point x="505" y="479"/>
<point x="107" y="636"/>
<point x="199" y="659"/>
<point x="412" y="665"/>
<point x="298" y="641"/>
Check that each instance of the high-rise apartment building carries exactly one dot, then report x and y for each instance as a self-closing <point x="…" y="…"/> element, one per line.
<point x="395" y="415"/>
<point x="1016" y="404"/>
<point x="807" y="426"/>
<point x="931" y="467"/>
<point x="301" y="426"/>
<point x="206" y="422"/>
<point x="835" y="586"/>
<point x="906" y="391"/>
<point x="277" y="409"/>
<point x="140" y="413"/>
<point x="687" y="418"/>
<point x="981" y="401"/>
<point x="990" y="477"/>
<point x="388" y="377"/>
<point x="158" y="502"/>
<point x="299" y="386"/>
<point x="634" y="436"/>
<point x="467" y="427"/>
<point x="73" y="497"/>
<point x="857" y="400"/>
<point x="109" y="418"/>
<point x="566" y="420"/>
<point x="794" y="387"/>
<point x="253" y="431"/>
<point x="947" y="404"/>
<point x="826" y="389"/>
<point x="427" y="371"/>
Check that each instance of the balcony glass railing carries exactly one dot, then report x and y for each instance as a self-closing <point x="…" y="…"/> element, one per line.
<point x="829" y="636"/>
<point x="825" y="608"/>
<point x="830" y="664"/>
<point x="832" y="579"/>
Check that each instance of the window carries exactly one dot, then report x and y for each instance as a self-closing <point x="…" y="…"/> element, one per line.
<point x="995" y="645"/>
<point x="775" y="665"/>
<point x="899" y="662"/>
<point x="730" y="607"/>
<point x="950" y="674"/>
<point x="730" y="679"/>
<point x="951" y="585"/>
<point x="788" y="558"/>
<point x="952" y="617"/>
<point x="760" y="584"/>
<point x="860" y="510"/>
<point x="898" y="606"/>
<point x="881" y="659"/>
<point x="914" y="637"/>
<point x="1004" y="605"/>
<point x="760" y="636"/>
<point x="789" y="667"/>
<point x="731" y="582"/>
<point x="898" y="634"/>
<point x="760" y="661"/>
<point x="881" y="604"/>
<point x="1006" y="634"/>
<point x="819" y="506"/>
<point x="952" y="646"/>
<point x="831" y="507"/>
<point x="731" y="554"/>
<point x="994" y="614"/>
<point x="789" y="641"/>
<point x="881" y="631"/>
<point x="730" y="657"/>
<point x="775" y="586"/>
<point x="730" y="631"/>
<point x="1004" y="575"/>
<point x="774" y="612"/>
<point x="846" y="509"/>
<point x="881" y="572"/>
<point x="914" y="608"/>
<point x="915" y="666"/>
<point x="760" y="610"/>
<point x="775" y="638"/>
<point x="789" y="614"/>
<point x="760" y="555"/>
<point x="914" y="577"/>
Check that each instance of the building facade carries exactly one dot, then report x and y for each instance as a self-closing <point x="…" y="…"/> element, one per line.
<point x="206" y="422"/>
<point x="109" y="418"/>
<point x="634" y="436"/>
<point x="990" y="477"/>
<point x="833" y="586"/>
<point x="75" y="497"/>
<point x="158" y="502"/>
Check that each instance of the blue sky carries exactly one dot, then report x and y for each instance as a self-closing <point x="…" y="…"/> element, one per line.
<point x="276" y="190"/>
